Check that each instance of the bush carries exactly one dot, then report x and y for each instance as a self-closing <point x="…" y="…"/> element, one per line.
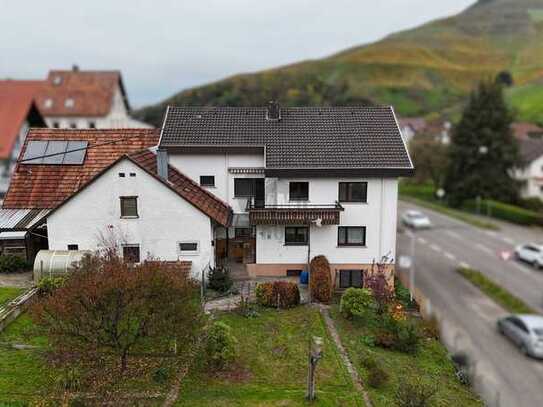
<point x="161" y="375"/>
<point x="219" y="279"/>
<point x="401" y="336"/>
<point x="47" y="285"/>
<point x="414" y="393"/>
<point x="430" y="328"/>
<point x="356" y="302"/>
<point x="377" y="376"/>
<point x="510" y="213"/>
<point x="13" y="264"/>
<point x="281" y="294"/>
<point x="221" y="346"/>
<point x="320" y="280"/>
<point x="532" y="204"/>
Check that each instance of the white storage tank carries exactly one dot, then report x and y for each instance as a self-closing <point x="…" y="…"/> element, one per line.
<point x="56" y="263"/>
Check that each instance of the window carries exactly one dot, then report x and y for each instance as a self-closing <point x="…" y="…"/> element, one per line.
<point x="55" y="152"/>
<point x="129" y="206"/>
<point x="69" y="103"/>
<point x="57" y="80"/>
<point x="48" y="103"/>
<point x="350" y="278"/>
<point x="353" y="192"/>
<point x="187" y="248"/>
<point x="73" y="125"/>
<point x="207" y="180"/>
<point x="243" y="233"/>
<point x="122" y="175"/>
<point x="56" y="125"/>
<point x="132" y="174"/>
<point x="92" y="125"/>
<point x="131" y="253"/>
<point x="296" y="235"/>
<point x="351" y="236"/>
<point x="244" y="187"/>
<point x="299" y="191"/>
<point x="73" y="247"/>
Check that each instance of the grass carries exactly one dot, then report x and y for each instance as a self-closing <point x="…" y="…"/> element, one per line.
<point x="431" y="364"/>
<point x="9" y="293"/>
<point x="496" y="292"/>
<point x="272" y="365"/>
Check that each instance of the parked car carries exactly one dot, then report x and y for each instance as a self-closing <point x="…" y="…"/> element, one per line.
<point x="525" y="331"/>
<point x="416" y="220"/>
<point x="530" y="253"/>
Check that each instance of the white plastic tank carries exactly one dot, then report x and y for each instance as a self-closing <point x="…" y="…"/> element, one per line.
<point x="56" y="263"/>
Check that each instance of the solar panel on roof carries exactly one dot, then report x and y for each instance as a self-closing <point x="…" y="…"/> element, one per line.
<point x="55" y="152"/>
<point x="35" y="149"/>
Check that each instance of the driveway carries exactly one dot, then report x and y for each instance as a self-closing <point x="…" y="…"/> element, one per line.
<point x="22" y="280"/>
<point x="503" y="376"/>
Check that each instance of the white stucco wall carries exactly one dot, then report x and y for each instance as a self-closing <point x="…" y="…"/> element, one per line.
<point x="165" y="219"/>
<point x="117" y="118"/>
<point x="378" y="215"/>
<point x="195" y="165"/>
<point x="532" y="177"/>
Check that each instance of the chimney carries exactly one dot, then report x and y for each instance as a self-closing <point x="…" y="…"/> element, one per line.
<point x="162" y="164"/>
<point x="273" y="111"/>
<point x="75" y="68"/>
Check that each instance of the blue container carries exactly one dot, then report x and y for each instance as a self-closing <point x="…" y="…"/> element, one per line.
<point x="304" y="277"/>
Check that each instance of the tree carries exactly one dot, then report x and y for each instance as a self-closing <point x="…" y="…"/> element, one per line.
<point x="107" y="306"/>
<point x="431" y="159"/>
<point x="483" y="150"/>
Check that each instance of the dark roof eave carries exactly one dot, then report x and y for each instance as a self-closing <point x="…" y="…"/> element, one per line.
<point x="339" y="172"/>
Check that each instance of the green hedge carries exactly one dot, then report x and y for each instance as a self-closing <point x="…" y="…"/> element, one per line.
<point x="506" y="212"/>
<point x="420" y="191"/>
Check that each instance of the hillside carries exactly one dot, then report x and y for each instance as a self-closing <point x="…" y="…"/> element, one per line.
<point x="427" y="69"/>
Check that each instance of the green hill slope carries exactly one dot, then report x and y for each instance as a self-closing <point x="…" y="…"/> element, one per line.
<point x="428" y="69"/>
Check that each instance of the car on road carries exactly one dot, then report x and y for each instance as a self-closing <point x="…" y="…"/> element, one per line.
<point x="416" y="220"/>
<point x="525" y="331"/>
<point x="530" y="253"/>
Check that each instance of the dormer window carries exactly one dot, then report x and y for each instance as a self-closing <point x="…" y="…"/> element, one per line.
<point x="69" y="103"/>
<point x="57" y="80"/>
<point x="48" y="103"/>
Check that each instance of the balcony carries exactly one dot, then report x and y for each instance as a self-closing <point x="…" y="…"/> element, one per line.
<point x="293" y="214"/>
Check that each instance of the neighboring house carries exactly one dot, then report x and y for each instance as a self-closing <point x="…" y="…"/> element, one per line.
<point x="524" y="131"/>
<point x="38" y="188"/>
<point x="301" y="181"/>
<point x="18" y="113"/>
<point x="411" y="126"/>
<point x="531" y="174"/>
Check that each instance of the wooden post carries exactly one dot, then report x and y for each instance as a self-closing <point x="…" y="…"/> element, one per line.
<point x="315" y="354"/>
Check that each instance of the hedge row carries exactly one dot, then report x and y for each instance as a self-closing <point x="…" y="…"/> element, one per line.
<point x="506" y="212"/>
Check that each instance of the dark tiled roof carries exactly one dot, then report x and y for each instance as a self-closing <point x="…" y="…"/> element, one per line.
<point x="42" y="186"/>
<point x="530" y="149"/>
<point x="304" y="138"/>
<point x="203" y="200"/>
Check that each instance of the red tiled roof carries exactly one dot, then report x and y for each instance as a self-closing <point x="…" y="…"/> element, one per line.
<point x="47" y="186"/>
<point x="189" y="190"/>
<point x="522" y="130"/>
<point x="16" y="104"/>
<point x="91" y="91"/>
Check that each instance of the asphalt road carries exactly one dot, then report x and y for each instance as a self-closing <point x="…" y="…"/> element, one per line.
<point x="503" y="376"/>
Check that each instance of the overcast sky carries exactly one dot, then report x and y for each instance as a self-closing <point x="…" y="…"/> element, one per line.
<point x="163" y="46"/>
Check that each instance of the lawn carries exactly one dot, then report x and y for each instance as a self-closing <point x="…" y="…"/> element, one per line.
<point x="272" y="365"/>
<point x="431" y="363"/>
<point x="9" y="293"/>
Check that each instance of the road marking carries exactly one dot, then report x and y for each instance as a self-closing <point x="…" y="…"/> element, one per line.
<point x="450" y="256"/>
<point x="435" y="248"/>
<point x="422" y="240"/>
<point x="464" y="265"/>
<point x="484" y="248"/>
<point x="453" y="234"/>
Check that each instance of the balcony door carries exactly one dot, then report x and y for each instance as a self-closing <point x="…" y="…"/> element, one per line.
<point x="259" y="193"/>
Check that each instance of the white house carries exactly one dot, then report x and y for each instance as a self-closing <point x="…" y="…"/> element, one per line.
<point x="301" y="182"/>
<point x="259" y="190"/>
<point x="85" y="99"/>
<point x="531" y="174"/>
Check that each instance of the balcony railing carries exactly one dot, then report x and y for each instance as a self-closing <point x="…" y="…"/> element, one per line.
<point x="293" y="213"/>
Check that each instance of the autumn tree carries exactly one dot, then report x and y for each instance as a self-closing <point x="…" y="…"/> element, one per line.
<point x="107" y="306"/>
<point x="483" y="151"/>
<point x="431" y="159"/>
